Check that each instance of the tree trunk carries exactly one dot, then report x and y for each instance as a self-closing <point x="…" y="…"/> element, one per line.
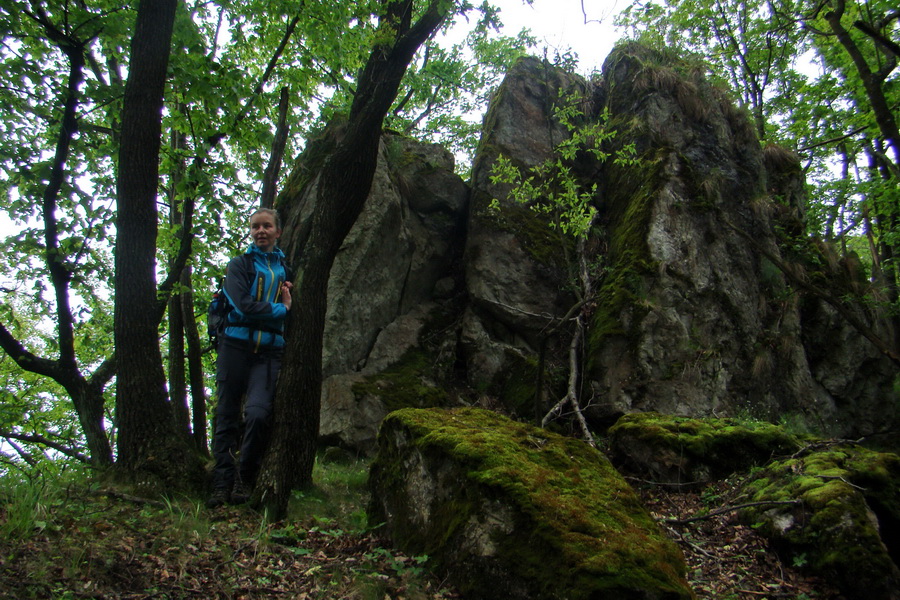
<point x="270" y="176"/>
<point x="872" y="82"/>
<point x="177" y="380"/>
<point x="195" y="365"/>
<point x="177" y="320"/>
<point x="150" y="451"/>
<point x="87" y="396"/>
<point x="344" y="186"/>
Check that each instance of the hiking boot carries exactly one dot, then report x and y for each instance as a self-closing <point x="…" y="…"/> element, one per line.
<point x="241" y="492"/>
<point x="219" y="497"/>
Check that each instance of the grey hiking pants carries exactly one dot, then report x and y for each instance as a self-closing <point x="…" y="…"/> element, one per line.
<point x="242" y="375"/>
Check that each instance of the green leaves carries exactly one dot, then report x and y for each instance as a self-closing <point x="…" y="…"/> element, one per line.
<point x="553" y="188"/>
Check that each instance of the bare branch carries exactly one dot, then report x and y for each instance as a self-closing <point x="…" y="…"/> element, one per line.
<point x="729" y="509"/>
<point x="39" y="439"/>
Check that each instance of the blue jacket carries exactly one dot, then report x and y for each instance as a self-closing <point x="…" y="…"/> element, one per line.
<point x="253" y="287"/>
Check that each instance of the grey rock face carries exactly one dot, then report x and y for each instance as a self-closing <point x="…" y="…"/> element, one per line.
<point x="515" y="271"/>
<point x="708" y="324"/>
<point x="691" y="317"/>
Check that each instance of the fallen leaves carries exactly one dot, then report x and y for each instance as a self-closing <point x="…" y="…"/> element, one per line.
<point x="726" y="559"/>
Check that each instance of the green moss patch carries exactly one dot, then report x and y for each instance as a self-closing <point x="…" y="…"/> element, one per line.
<point x="846" y="523"/>
<point x="629" y="193"/>
<point x="404" y="384"/>
<point x="574" y="528"/>
<point x="680" y="449"/>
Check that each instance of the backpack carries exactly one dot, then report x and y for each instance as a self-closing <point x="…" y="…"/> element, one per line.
<point x="217" y="314"/>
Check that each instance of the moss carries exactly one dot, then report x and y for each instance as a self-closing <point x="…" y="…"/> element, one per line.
<point x="725" y="446"/>
<point x="417" y="378"/>
<point x="403" y="384"/>
<point x="629" y="194"/>
<point x="571" y="508"/>
<point x="837" y="489"/>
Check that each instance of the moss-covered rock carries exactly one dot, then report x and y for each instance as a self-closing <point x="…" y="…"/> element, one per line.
<point x="670" y="449"/>
<point x="511" y="511"/>
<point x="844" y="523"/>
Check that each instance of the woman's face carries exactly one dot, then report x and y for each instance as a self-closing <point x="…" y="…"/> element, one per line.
<point x="264" y="232"/>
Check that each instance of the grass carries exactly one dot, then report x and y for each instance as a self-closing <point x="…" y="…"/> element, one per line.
<point x="66" y="537"/>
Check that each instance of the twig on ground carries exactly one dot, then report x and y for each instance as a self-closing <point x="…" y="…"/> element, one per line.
<point x="728" y="509"/>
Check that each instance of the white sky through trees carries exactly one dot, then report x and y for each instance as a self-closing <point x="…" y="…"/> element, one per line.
<point x="584" y="26"/>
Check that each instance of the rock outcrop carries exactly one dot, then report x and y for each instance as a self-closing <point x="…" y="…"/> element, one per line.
<point x="512" y="511"/>
<point x="455" y="293"/>
<point x="693" y="452"/>
<point x="694" y="317"/>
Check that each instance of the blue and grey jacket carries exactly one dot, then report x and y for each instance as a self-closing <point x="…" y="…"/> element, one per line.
<point x="253" y="287"/>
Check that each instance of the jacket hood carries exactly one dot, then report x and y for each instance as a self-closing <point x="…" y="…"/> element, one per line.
<point x="276" y="253"/>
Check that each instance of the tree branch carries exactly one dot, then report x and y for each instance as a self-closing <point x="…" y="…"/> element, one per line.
<point x="834" y="140"/>
<point x="39" y="439"/>
<point x="270" y="68"/>
<point x="270" y="175"/>
<point x="25" y="359"/>
<point x="729" y="509"/>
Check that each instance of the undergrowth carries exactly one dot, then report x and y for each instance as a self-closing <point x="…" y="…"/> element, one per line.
<point x="66" y="537"/>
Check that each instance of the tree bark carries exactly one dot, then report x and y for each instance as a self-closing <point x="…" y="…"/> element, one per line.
<point x="150" y="451"/>
<point x="195" y="365"/>
<point x="177" y="319"/>
<point x="344" y="186"/>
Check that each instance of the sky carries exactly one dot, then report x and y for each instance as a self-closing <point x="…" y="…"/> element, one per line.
<point x="560" y="24"/>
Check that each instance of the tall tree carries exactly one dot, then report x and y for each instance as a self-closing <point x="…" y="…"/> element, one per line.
<point x="344" y="186"/>
<point x="70" y="33"/>
<point x="148" y="443"/>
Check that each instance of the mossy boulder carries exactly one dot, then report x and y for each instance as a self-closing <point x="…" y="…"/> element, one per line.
<point x="844" y="523"/>
<point x="670" y="449"/>
<point x="511" y="511"/>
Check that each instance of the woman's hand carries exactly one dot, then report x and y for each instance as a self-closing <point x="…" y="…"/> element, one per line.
<point x="286" y="297"/>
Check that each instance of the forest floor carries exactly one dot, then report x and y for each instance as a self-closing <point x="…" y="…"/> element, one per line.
<point x="88" y="543"/>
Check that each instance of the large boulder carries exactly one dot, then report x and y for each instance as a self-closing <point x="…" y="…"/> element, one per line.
<point x="511" y="511"/>
<point x="401" y="252"/>
<point x="685" y="324"/>
<point x="517" y="275"/>
<point x="395" y="270"/>
<point x="694" y="318"/>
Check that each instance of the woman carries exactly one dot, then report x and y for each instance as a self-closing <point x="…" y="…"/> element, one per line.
<point x="257" y="285"/>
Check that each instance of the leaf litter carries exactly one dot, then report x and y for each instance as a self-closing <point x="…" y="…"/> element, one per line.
<point x="106" y="547"/>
